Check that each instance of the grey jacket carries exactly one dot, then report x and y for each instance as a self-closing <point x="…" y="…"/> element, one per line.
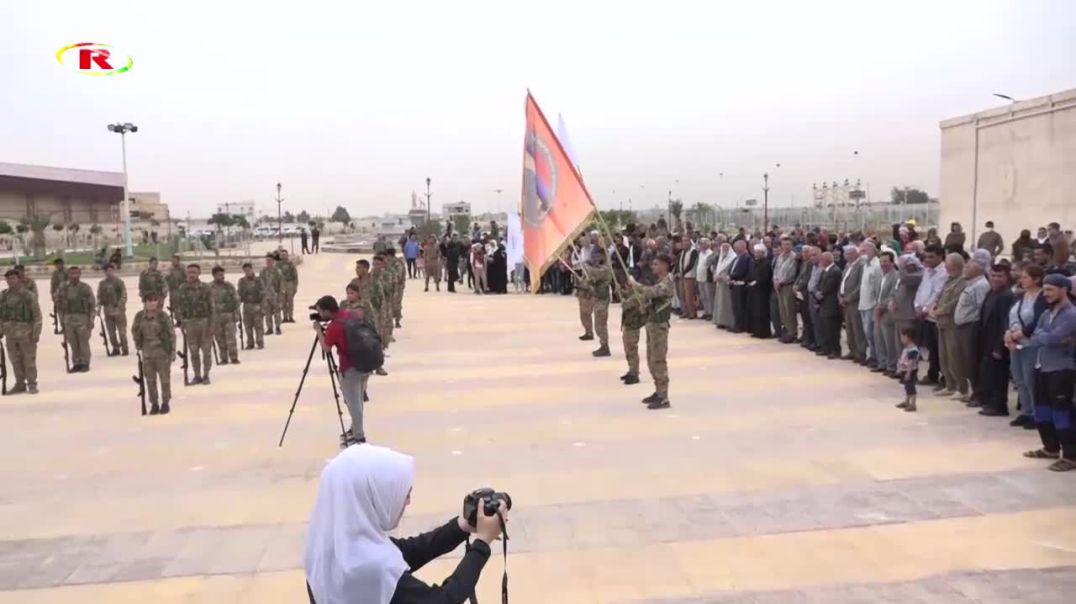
<point x="851" y="278"/>
<point x="904" y="296"/>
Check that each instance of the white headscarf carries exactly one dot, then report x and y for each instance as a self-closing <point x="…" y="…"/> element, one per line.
<point x="349" y="557"/>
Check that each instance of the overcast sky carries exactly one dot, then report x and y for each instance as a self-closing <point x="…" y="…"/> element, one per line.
<point x="356" y="103"/>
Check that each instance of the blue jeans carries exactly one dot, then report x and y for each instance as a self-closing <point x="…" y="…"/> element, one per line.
<point x="868" y="332"/>
<point x="1022" y="366"/>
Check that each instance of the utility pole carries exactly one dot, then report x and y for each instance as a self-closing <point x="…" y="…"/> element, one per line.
<point x="122" y="130"/>
<point x="428" y="195"/>
<point x="765" y="202"/>
<point x="279" y="216"/>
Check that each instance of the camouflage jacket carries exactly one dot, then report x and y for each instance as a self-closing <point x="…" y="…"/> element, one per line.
<point x="659" y="299"/>
<point x="20" y="314"/>
<point x="401" y="271"/>
<point x="195" y="301"/>
<point x="59" y="278"/>
<point x="76" y="299"/>
<point x="154" y="333"/>
<point x="384" y="286"/>
<point x="30" y="284"/>
<point x="632" y="312"/>
<point x="251" y="290"/>
<point x="599" y="279"/>
<point x="151" y="282"/>
<point x="272" y="280"/>
<point x="288" y="272"/>
<point x="370" y="297"/>
<point x="112" y="294"/>
<point x="177" y="276"/>
<point x="225" y="298"/>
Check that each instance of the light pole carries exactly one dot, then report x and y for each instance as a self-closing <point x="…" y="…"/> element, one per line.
<point x="122" y="129"/>
<point x="428" y="195"/>
<point x="279" y="217"/>
<point x="765" y="201"/>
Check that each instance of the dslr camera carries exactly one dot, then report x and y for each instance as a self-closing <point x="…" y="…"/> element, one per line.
<point x="470" y="504"/>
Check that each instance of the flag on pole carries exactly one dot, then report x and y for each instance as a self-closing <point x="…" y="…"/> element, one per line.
<point x="556" y="204"/>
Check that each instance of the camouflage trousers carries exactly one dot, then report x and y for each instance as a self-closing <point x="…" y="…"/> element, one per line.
<point x="271" y="310"/>
<point x="631" y="349"/>
<point x="288" y="302"/>
<point x="385" y="325"/>
<point x="657" y="352"/>
<point x="252" y="323"/>
<point x="116" y="327"/>
<point x="157" y="368"/>
<point x="601" y="321"/>
<point x="77" y="333"/>
<point x="22" y="354"/>
<point x="224" y="333"/>
<point x="586" y="314"/>
<point x="199" y="346"/>
<point x="397" y="302"/>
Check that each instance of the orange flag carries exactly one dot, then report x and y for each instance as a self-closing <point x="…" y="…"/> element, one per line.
<point x="556" y="204"/>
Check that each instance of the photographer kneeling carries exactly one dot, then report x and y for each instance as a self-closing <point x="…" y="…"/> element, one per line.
<point x="351" y="559"/>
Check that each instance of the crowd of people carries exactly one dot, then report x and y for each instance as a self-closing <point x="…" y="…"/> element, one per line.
<point x="480" y="261"/>
<point x="983" y="320"/>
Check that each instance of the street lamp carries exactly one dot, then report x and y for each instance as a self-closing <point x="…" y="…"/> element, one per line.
<point x="428" y="195"/>
<point x="279" y="217"/>
<point x="122" y="129"/>
<point x="766" y="201"/>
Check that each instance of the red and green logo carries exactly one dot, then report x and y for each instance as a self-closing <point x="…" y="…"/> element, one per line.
<point x="95" y="58"/>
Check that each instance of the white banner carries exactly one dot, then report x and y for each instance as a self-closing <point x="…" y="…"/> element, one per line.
<point x="513" y="240"/>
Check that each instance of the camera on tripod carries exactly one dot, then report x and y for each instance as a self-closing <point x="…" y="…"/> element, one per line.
<point x="493" y="499"/>
<point x="316" y="315"/>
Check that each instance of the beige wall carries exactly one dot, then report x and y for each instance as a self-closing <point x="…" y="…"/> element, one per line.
<point x="1026" y="167"/>
<point x="15" y="205"/>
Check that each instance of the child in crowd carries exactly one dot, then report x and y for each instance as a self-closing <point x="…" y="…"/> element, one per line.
<point x="909" y="367"/>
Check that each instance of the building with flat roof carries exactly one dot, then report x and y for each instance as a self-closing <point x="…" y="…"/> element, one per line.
<point x="64" y="195"/>
<point x="148" y="206"/>
<point x="1013" y="165"/>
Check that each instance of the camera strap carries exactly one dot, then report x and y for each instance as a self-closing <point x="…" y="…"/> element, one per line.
<point x="504" y="550"/>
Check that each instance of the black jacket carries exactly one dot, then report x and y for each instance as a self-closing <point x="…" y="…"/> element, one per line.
<point x="418" y="551"/>
<point x="830" y="286"/>
<point x="740" y="267"/>
<point x="692" y="260"/>
<point x="994" y="322"/>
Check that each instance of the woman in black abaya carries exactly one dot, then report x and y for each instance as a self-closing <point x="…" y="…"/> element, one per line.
<point x="759" y="289"/>
<point x="497" y="275"/>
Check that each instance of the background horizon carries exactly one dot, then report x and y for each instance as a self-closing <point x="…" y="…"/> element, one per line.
<point x="356" y="105"/>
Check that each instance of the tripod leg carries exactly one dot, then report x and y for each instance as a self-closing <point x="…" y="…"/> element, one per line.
<point x="298" y="390"/>
<point x="336" y="395"/>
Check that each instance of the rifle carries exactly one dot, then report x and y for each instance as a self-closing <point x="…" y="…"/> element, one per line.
<point x="239" y="324"/>
<point x="55" y="322"/>
<point x="3" y="369"/>
<point x="216" y="350"/>
<point x="183" y="355"/>
<point x="67" y="356"/>
<point x="104" y="338"/>
<point x="140" y="379"/>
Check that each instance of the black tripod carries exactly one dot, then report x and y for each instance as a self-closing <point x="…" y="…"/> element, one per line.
<point x="333" y="373"/>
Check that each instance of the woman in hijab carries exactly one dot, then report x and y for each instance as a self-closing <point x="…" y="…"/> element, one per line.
<point x="1023" y="246"/>
<point x="498" y="271"/>
<point x="350" y="559"/>
<point x="722" y="294"/>
<point x="759" y="288"/>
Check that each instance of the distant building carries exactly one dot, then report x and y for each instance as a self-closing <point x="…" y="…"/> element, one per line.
<point x="148" y="206"/>
<point x="64" y="195"/>
<point x="1014" y="165"/>
<point x="243" y="208"/>
<point x="452" y="210"/>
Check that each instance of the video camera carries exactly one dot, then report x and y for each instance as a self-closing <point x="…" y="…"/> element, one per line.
<point x="493" y="498"/>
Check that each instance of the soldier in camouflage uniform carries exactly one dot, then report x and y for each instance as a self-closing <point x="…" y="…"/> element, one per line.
<point x="151" y="280"/>
<point x="112" y="301"/>
<point x="632" y="320"/>
<point x="59" y="279"/>
<point x="226" y="301"/>
<point x="399" y="274"/>
<point x="20" y="325"/>
<point x="290" y="278"/>
<point x="363" y="284"/>
<point x="77" y="303"/>
<point x="585" y="293"/>
<point x="177" y="276"/>
<point x="380" y="300"/>
<point x="599" y="278"/>
<point x="27" y="282"/>
<point x="198" y="318"/>
<point x="274" y="288"/>
<point x="659" y="308"/>
<point x="155" y="337"/>
<point x="431" y="259"/>
<point x="252" y="294"/>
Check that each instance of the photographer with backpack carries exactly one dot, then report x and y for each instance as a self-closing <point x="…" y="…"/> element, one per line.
<point x="358" y="348"/>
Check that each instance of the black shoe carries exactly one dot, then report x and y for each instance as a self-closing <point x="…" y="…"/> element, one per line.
<point x="398" y="323"/>
<point x="625" y="376"/>
<point x="278" y="331"/>
<point x="821" y="353"/>
<point x="651" y="398"/>
<point x="205" y="380"/>
<point x="1021" y="420"/>
<point x="973" y="403"/>
<point x="631" y="379"/>
<point x="602" y="352"/>
<point x="154" y="410"/>
<point x="992" y="412"/>
<point x="835" y="357"/>
<point x="365" y="397"/>
<point x="660" y="403"/>
<point x="196" y="380"/>
<point x="261" y="346"/>
<point x="248" y="347"/>
<point x="877" y="369"/>
<point x="126" y="352"/>
<point x="268" y="332"/>
<point x="872" y="363"/>
<point x="165" y="409"/>
<point x="223" y="362"/>
<point x="586" y="337"/>
<point x="1030" y="426"/>
<point x="235" y="361"/>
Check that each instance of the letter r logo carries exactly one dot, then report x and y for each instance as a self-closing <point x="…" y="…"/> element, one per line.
<point x="99" y="56"/>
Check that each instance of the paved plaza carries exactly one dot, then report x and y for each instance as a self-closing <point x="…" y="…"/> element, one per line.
<point x="776" y="477"/>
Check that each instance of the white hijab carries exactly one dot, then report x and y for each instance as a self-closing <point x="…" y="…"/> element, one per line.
<point x="727" y="257"/>
<point x="349" y="557"/>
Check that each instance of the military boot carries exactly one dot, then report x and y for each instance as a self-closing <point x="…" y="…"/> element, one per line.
<point x="660" y="403"/>
<point x="165" y="408"/>
<point x="631" y="379"/>
<point x="155" y="409"/>
<point x="586" y="337"/>
<point x="601" y="352"/>
<point x="17" y="388"/>
<point x="31" y="388"/>
<point x="652" y="398"/>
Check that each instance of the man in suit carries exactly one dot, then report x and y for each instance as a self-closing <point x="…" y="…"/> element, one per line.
<point x="806" y="284"/>
<point x="738" y="285"/>
<point x="851" y="279"/>
<point x="994" y="355"/>
<point x="827" y="301"/>
<point x="688" y="273"/>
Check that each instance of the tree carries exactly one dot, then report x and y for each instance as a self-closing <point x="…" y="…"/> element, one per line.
<point x="461" y="225"/>
<point x="676" y="208"/>
<point x="915" y="196"/>
<point x="288" y="217"/>
<point x="36" y="225"/>
<point x="703" y="214"/>
<point x="617" y="219"/>
<point x="340" y="215"/>
<point x="303" y="217"/>
<point x="5" y="228"/>
<point x="221" y="220"/>
<point x="238" y="220"/>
